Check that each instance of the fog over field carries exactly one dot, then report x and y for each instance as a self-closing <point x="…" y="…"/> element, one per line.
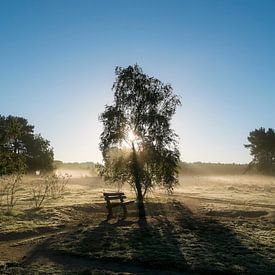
<point x="74" y="173"/>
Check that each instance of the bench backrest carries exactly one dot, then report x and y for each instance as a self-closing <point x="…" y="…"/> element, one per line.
<point x="114" y="196"/>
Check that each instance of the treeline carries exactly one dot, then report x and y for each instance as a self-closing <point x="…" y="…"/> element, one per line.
<point x="201" y="168"/>
<point x="262" y="149"/>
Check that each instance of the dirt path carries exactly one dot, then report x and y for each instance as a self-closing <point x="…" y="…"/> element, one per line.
<point x="16" y="249"/>
<point x="34" y="253"/>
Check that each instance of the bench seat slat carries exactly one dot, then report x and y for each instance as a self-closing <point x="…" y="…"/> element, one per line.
<point x="128" y="202"/>
<point x="115" y="204"/>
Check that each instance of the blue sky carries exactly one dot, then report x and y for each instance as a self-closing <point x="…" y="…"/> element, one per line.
<point x="57" y="61"/>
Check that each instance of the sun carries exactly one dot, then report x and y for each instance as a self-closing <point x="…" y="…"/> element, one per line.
<point x="130" y="139"/>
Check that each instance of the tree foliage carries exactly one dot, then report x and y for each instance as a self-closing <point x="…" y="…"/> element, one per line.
<point x="143" y="107"/>
<point x="262" y="148"/>
<point x="20" y="148"/>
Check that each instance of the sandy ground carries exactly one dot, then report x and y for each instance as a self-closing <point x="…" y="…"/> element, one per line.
<point x="48" y="240"/>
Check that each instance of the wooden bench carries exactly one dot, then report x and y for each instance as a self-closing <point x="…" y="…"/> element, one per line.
<point x="119" y="201"/>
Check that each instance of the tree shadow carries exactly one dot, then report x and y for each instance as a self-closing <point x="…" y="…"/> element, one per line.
<point x="83" y="247"/>
<point x="176" y="237"/>
<point x="172" y="239"/>
<point x="155" y="245"/>
<point x="217" y="248"/>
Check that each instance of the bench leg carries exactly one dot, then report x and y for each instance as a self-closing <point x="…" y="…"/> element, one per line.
<point x="124" y="210"/>
<point x="110" y="212"/>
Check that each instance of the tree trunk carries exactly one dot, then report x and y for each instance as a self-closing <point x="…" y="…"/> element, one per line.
<point x="136" y="172"/>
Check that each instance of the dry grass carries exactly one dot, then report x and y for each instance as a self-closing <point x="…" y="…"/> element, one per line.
<point x="210" y="224"/>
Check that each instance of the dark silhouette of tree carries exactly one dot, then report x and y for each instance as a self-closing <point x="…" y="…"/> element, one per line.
<point x="262" y="148"/>
<point x="20" y="148"/>
<point x="137" y="143"/>
<point x="40" y="154"/>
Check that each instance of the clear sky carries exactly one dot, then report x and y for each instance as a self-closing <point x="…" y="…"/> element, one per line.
<point x="57" y="61"/>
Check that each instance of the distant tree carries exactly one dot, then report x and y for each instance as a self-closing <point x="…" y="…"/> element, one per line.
<point x="40" y="154"/>
<point x="262" y="148"/>
<point x="20" y="148"/>
<point x="12" y="149"/>
<point x="137" y="143"/>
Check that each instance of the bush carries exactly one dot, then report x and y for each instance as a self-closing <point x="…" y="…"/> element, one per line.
<point x="58" y="185"/>
<point x="9" y="187"/>
<point x="48" y="187"/>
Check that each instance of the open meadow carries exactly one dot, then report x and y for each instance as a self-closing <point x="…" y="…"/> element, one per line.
<point x="222" y="224"/>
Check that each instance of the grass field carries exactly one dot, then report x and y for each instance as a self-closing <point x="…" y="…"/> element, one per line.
<point x="210" y="224"/>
